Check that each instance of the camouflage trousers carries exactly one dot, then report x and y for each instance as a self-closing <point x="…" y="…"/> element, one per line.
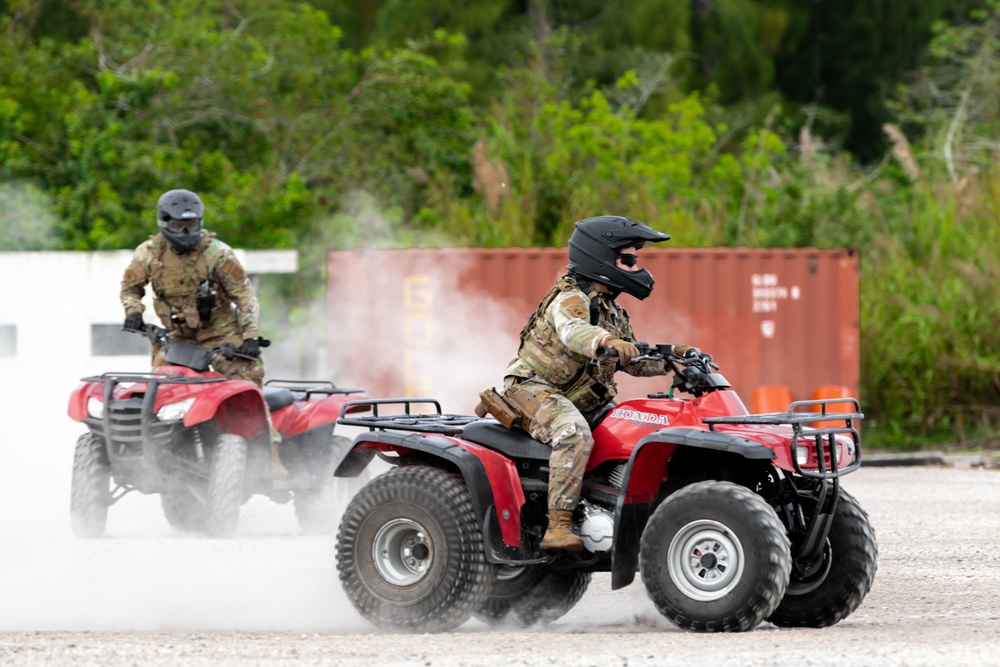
<point x="553" y="419"/>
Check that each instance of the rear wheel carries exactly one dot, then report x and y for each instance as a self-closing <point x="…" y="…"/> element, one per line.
<point x="834" y="587"/>
<point x="182" y="510"/>
<point x="318" y="509"/>
<point x="225" y="486"/>
<point x="90" y="489"/>
<point x="410" y="551"/>
<point x="714" y="557"/>
<point x="532" y="595"/>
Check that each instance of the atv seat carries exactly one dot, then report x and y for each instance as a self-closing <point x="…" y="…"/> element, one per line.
<point x="513" y="442"/>
<point x="277" y="398"/>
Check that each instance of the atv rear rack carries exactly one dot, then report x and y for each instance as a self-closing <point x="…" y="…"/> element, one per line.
<point x="311" y="387"/>
<point x="436" y="422"/>
<point x="799" y="416"/>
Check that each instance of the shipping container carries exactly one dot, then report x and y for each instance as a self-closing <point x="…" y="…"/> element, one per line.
<point x="445" y="322"/>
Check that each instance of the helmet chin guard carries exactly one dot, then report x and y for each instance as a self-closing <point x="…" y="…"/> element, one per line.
<point x="594" y="244"/>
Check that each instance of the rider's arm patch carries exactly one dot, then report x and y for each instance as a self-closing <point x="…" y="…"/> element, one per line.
<point x="577" y="306"/>
<point x="234" y="270"/>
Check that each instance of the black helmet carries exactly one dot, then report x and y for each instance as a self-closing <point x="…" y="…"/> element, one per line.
<point x="593" y="246"/>
<point x="179" y="214"/>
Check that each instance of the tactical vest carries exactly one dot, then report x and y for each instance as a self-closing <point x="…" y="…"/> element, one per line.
<point x="572" y="373"/>
<point x="175" y="281"/>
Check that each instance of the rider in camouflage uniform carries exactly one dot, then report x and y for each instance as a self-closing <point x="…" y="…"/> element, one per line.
<point x="561" y="375"/>
<point x="201" y="292"/>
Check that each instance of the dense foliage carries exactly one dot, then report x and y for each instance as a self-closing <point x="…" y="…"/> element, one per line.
<point x="347" y="123"/>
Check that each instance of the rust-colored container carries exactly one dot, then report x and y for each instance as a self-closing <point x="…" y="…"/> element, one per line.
<point x="444" y="323"/>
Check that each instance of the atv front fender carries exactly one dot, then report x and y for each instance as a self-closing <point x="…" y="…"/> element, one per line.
<point x="491" y="478"/>
<point x="645" y="472"/>
<point x="236" y="406"/>
<point x="77" y="409"/>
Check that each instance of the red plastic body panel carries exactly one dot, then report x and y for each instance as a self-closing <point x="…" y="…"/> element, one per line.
<point x="505" y="485"/>
<point x="633" y="420"/>
<point x="236" y="406"/>
<point x="301" y="416"/>
<point x="77" y="408"/>
<point x="508" y="496"/>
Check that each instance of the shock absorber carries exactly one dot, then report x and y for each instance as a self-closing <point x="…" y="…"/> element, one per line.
<point x="199" y="446"/>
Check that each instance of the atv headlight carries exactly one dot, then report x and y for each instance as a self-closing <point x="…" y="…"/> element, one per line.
<point x="847" y="448"/>
<point x="174" y="411"/>
<point x="802" y="454"/>
<point x="95" y="407"/>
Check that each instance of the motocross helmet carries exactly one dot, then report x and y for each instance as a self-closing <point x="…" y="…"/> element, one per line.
<point x="179" y="214"/>
<point x="594" y="245"/>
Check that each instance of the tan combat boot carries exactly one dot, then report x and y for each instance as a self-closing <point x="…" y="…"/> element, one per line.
<point x="560" y="535"/>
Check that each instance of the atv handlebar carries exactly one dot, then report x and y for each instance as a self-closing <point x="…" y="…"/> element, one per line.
<point x="664" y="352"/>
<point x="157" y="334"/>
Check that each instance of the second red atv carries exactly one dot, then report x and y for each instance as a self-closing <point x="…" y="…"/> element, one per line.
<point x="203" y="443"/>
<point x="729" y="518"/>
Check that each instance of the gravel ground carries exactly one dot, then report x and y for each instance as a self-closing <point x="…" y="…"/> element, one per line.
<point x="146" y="596"/>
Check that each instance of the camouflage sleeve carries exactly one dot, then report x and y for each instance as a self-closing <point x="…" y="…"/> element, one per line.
<point x="134" y="281"/>
<point x="230" y="274"/>
<point x="569" y="313"/>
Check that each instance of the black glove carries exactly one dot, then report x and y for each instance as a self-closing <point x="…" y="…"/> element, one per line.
<point x="133" y="322"/>
<point x="250" y="347"/>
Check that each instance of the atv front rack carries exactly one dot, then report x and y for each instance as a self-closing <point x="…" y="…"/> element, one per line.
<point x="823" y="438"/>
<point x="159" y="378"/>
<point x="436" y="422"/>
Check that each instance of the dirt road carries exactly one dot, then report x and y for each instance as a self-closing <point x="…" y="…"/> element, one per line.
<point x="146" y="596"/>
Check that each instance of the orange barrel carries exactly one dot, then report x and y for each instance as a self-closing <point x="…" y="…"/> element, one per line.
<point x="826" y="392"/>
<point x="770" y="398"/>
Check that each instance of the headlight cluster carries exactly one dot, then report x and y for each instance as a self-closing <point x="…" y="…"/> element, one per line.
<point x="95" y="407"/>
<point x="174" y="411"/>
<point x="846" y="452"/>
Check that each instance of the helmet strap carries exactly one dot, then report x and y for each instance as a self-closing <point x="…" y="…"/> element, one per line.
<point x="592" y="294"/>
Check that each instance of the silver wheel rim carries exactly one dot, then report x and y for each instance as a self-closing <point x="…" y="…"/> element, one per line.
<point x="509" y="572"/>
<point x="705" y="560"/>
<point x="402" y="553"/>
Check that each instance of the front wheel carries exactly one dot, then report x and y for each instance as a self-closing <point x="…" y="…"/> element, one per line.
<point x="90" y="487"/>
<point x="715" y="558"/>
<point x="410" y="551"/>
<point x="225" y="486"/>
<point x="833" y="588"/>
<point x="532" y="595"/>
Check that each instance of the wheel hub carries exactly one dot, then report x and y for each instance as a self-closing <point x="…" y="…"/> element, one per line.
<point x="402" y="553"/>
<point x="705" y="560"/>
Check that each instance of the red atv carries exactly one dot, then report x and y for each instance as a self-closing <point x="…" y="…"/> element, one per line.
<point x="203" y="443"/>
<point x="729" y="518"/>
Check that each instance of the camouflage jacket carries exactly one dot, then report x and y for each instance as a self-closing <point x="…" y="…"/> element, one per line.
<point x="560" y="345"/>
<point x="176" y="279"/>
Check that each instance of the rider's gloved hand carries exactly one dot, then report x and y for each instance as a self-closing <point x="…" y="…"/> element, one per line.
<point x="250" y="347"/>
<point x="686" y="351"/>
<point x="133" y="322"/>
<point x="627" y="351"/>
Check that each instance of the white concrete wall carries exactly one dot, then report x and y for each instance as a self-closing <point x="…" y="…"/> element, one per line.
<point x="53" y="298"/>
